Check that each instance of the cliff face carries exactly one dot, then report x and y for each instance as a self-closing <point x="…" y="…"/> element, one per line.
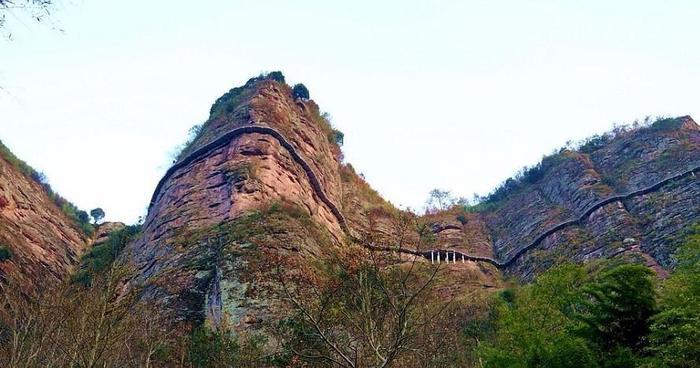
<point x="263" y="187"/>
<point x="248" y="183"/>
<point x="644" y="225"/>
<point x="43" y="242"/>
<point x="260" y="186"/>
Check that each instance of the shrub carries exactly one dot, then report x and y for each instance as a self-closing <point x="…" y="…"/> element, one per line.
<point x="275" y="76"/>
<point x="675" y="331"/>
<point x="300" y="91"/>
<point x="5" y="253"/>
<point x="192" y="136"/>
<point x="595" y="142"/>
<point x="665" y="124"/>
<point x="101" y="256"/>
<point x="97" y="214"/>
<point x="462" y="219"/>
<point x="338" y="137"/>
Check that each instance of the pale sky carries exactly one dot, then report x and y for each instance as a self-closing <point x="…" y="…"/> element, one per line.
<point x="449" y="94"/>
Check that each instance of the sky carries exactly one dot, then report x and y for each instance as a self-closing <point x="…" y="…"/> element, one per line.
<point x="430" y="94"/>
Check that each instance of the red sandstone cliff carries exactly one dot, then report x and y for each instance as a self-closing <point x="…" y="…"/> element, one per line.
<point x="233" y="202"/>
<point x="44" y="243"/>
<point x="263" y="183"/>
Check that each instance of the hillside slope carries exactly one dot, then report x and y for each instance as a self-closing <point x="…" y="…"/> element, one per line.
<point x="43" y="242"/>
<point x="567" y="185"/>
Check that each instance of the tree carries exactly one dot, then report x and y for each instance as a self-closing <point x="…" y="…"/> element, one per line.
<point x="366" y="309"/>
<point x="77" y="326"/>
<point x="82" y="217"/>
<point x="97" y="214"/>
<point x="37" y="9"/>
<point x="534" y="323"/>
<point x="618" y="307"/>
<point x="300" y="91"/>
<point x="440" y="200"/>
<point x="276" y="76"/>
<point x="675" y="331"/>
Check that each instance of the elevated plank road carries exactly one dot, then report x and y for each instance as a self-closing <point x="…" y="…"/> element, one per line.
<point x="432" y="254"/>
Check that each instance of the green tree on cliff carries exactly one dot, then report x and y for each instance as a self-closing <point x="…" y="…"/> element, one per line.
<point x="300" y="91"/>
<point x="97" y="214"/>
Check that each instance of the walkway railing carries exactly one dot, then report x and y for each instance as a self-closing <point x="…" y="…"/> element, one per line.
<point x="435" y="255"/>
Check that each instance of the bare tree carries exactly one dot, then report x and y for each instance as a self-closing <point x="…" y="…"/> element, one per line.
<point x="77" y="326"/>
<point x="439" y="200"/>
<point x="38" y="10"/>
<point x="367" y="310"/>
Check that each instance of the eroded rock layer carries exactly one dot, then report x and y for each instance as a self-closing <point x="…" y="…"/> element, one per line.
<point x="44" y="244"/>
<point x="648" y="224"/>
<point x="264" y="184"/>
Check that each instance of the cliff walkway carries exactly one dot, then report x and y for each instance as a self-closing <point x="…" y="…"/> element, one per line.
<point x="434" y="255"/>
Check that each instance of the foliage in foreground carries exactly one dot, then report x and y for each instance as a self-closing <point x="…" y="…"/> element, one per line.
<point x="675" y="331"/>
<point x="574" y="317"/>
<point x="102" y="325"/>
<point x="370" y="310"/>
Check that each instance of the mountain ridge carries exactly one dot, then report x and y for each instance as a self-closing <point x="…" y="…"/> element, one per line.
<point x="231" y="165"/>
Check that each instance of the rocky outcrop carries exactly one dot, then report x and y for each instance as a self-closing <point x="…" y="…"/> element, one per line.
<point x="260" y="148"/>
<point x="44" y="243"/>
<point x="105" y="229"/>
<point x="640" y="184"/>
<point x="262" y="183"/>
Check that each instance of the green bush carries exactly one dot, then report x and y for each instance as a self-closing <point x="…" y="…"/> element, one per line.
<point x="102" y="255"/>
<point x="231" y="99"/>
<point x="97" y="214"/>
<point x="5" y="253"/>
<point x="300" y="91"/>
<point x="338" y="137"/>
<point x="665" y="124"/>
<point x="275" y="76"/>
<point x="573" y="317"/>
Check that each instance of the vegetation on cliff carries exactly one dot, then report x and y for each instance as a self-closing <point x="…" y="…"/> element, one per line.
<point x="532" y="174"/>
<point x="364" y="309"/>
<point x="100" y="257"/>
<point x="5" y="253"/>
<point x="233" y="107"/>
<point x="78" y="216"/>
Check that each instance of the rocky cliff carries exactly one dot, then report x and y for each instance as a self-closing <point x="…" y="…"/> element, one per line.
<point x="43" y="243"/>
<point x="263" y="186"/>
<point x="263" y="183"/>
<point x="568" y="186"/>
<point x="248" y="186"/>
